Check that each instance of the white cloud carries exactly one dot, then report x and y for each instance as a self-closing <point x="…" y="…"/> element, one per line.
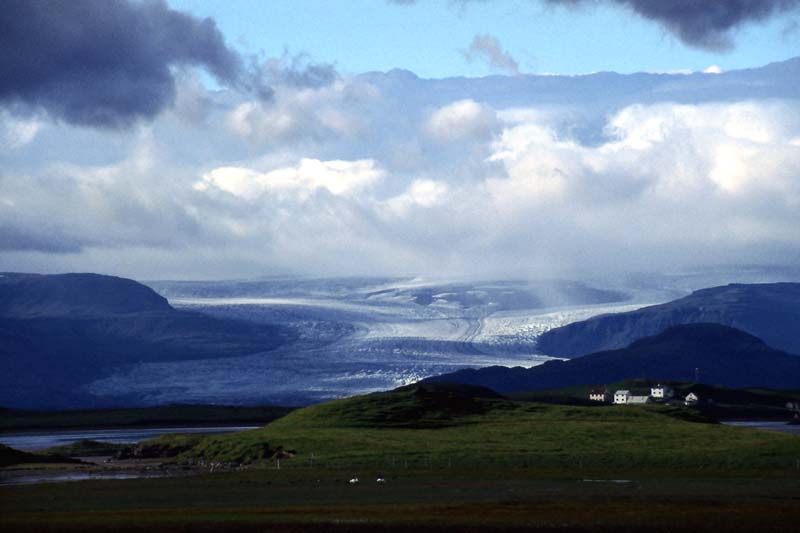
<point x="460" y="120"/>
<point x="17" y="132"/>
<point x="421" y="193"/>
<point x="670" y="172"/>
<point x="387" y="173"/>
<point x="337" y="177"/>
<point x="302" y="114"/>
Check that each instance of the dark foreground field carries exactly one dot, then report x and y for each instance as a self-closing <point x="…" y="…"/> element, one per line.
<point x="454" y="457"/>
<point x="479" y="500"/>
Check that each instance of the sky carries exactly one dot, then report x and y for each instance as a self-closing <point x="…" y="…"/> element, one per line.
<point x="208" y="139"/>
<point x="430" y="37"/>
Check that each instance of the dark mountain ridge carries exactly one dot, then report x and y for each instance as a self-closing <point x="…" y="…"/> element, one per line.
<point x="35" y="295"/>
<point x="712" y="353"/>
<point x="58" y="332"/>
<point x="769" y="311"/>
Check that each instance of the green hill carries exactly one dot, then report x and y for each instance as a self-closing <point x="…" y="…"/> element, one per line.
<point x="433" y="426"/>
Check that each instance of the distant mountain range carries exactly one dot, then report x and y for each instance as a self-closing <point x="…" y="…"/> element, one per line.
<point x="770" y="311"/>
<point x="712" y="353"/>
<point x="62" y="335"/>
<point x="58" y="332"/>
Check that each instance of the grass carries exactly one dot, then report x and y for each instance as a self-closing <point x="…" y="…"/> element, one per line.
<point x="454" y="457"/>
<point x="727" y="404"/>
<point x="480" y="499"/>
<point x="10" y="456"/>
<point x="83" y="448"/>
<point x="431" y="427"/>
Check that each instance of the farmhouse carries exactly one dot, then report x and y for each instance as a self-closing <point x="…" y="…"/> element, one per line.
<point x="621" y="397"/>
<point x="691" y="399"/>
<point x="599" y="395"/>
<point x="662" y="392"/>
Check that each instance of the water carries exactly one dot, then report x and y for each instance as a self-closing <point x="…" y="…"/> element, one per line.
<point x="72" y="476"/>
<point x="770" y="425"/>
<point x="37" y="440"/>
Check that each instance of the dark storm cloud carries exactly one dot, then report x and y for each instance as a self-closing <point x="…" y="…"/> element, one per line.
<point x="108" y="62"/>
<point x="700" y="23"/>
<point x="14" y="239"/>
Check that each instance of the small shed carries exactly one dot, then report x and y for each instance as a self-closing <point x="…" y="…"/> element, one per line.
<point x="691" y="399"/>
<point x="599" y="395"/>
<point x="638" y="400"/>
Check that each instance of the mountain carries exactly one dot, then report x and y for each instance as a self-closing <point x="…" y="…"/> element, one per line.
<point x="716" y="354"/>
<point x="36" y="295"/>
<point x="770" y="311"/>
<point x="59" y="332"/>
<point x="775" y="80"/>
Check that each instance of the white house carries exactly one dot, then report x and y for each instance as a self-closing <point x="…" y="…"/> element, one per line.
<point x="691" y="399"/>
<point x="599" y="395"/>
<point x="662" y="392"/>
<point x="638" y="400"/>
<point x="621" y="396"/>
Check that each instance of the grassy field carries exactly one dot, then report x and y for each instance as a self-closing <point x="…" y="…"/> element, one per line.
<point x="453" y="457"/>
<point x="413" y="500"/>
<point x="420" y="427"/>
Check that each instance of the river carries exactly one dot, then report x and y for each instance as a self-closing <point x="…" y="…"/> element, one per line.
<point x="770" y="425"/>
<point x="37" y="440"/>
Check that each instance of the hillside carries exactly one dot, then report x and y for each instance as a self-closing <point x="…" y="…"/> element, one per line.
<point x="726" y="403"/>
<point x="717" y="355"/>
<point x="10" y="456"/>
<point x="73" y="295"/>
<point x="441" y="426"/>
<point x="58" y="332"/>
<point x="770" y="311"/>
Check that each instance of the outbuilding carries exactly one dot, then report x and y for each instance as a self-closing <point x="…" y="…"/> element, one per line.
<point x="599" y="395"/>
<point x="691" y="399"/>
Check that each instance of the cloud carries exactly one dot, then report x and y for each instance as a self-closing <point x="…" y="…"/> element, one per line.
<point x="714" y="175"/>
<point x="106" y="63"/>
<point x="297" y="71"/>
<point x="341" y="178"/>
<point x="487" y="49"/>
<point x="17" y="132"/>
<point x="303" y="114"/>
<point x="492" y="177"/>
<point x="697" y="23"/>
<point x="701" y="24"/>
<point x="460" y="120"/>
<point x="421" y="193"/>
<point x="47" y="239"/>
<point x="67" y="207"/>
